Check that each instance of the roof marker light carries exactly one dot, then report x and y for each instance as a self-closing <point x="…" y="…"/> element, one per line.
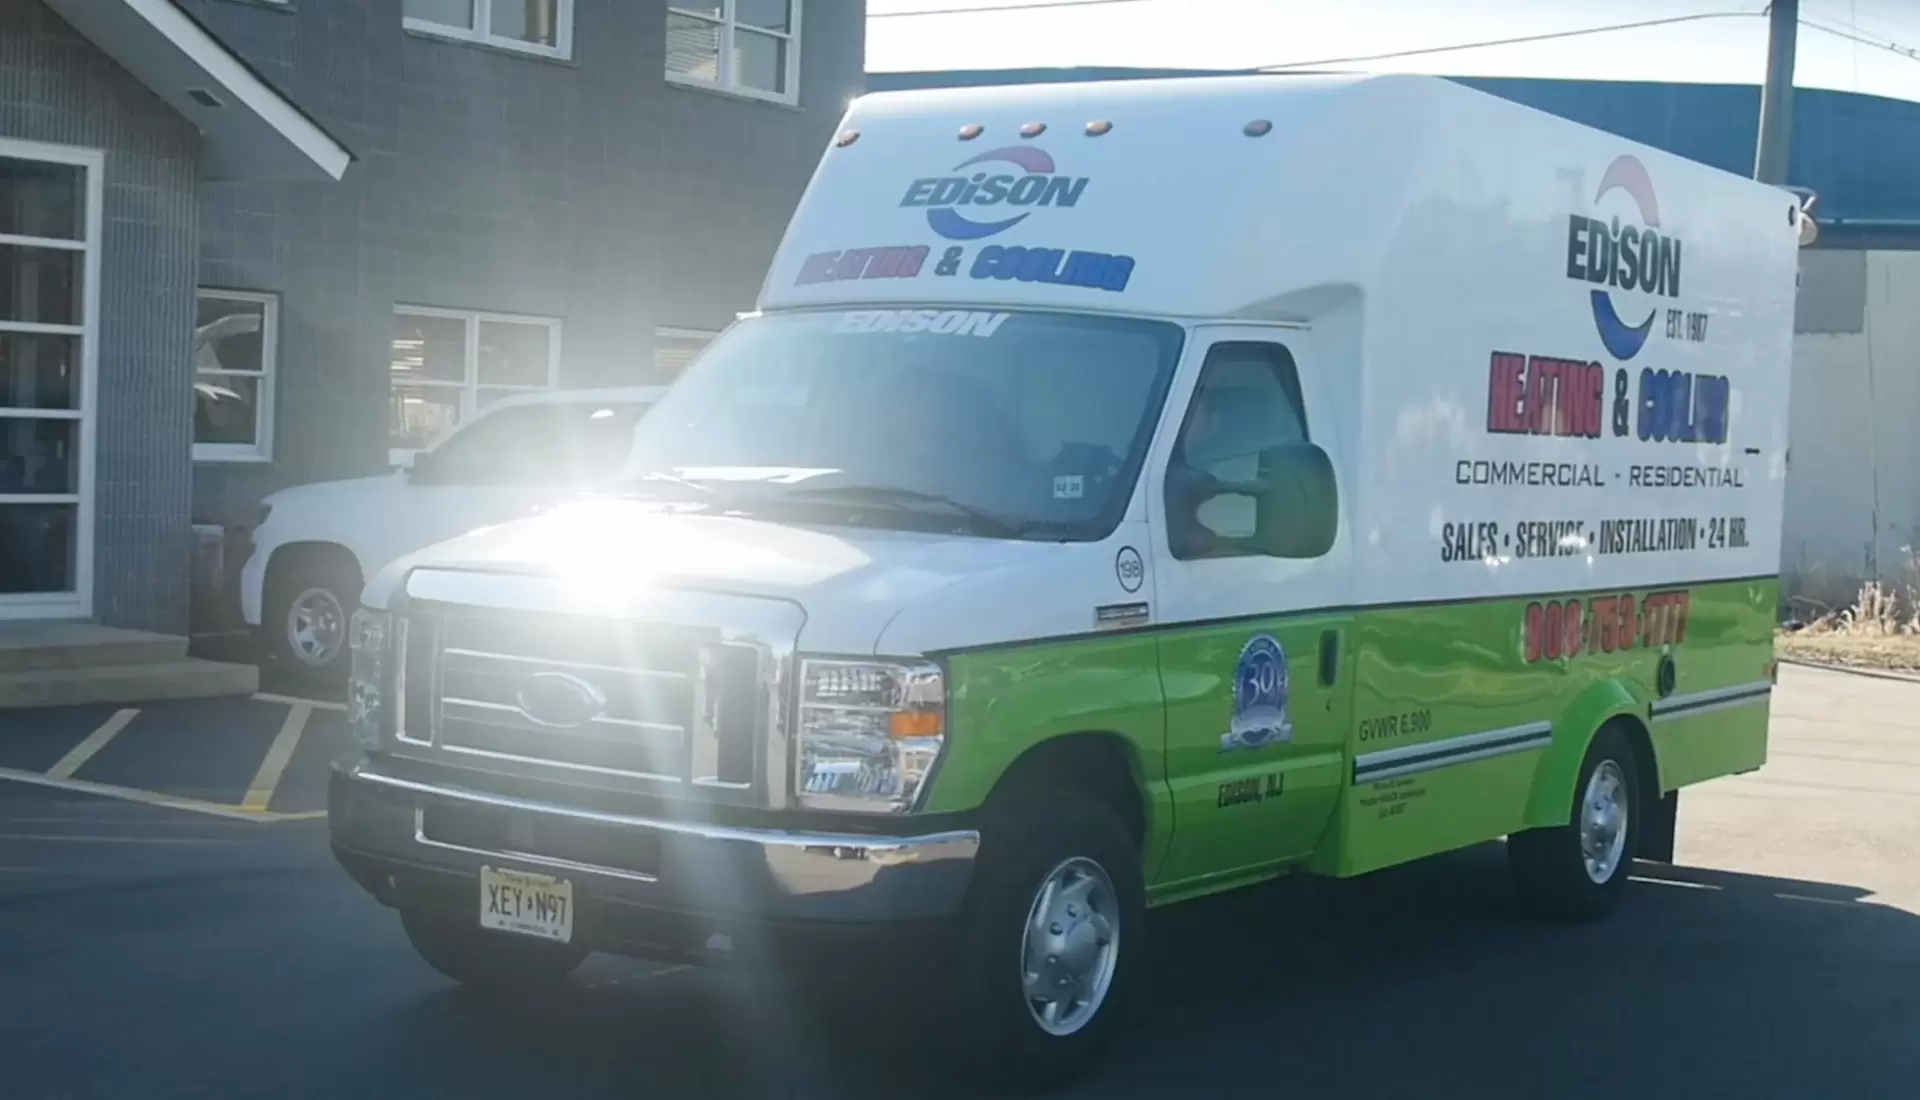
<point x="1259" y="127"/>
<point x="1033" y="129"/>
<point x="846" y="138"/>
<point x="1098" y="127"/>
<point x="971" y="130"/>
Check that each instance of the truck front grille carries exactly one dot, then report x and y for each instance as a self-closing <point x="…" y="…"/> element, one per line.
<point x="583" y="699"/>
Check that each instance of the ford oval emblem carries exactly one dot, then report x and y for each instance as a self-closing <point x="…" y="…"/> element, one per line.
<point x="559" y="700"/>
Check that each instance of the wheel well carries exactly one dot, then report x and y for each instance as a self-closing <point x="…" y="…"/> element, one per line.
<point x="1100" y="765"/>
<point x="1657" y="834"/>
<point x="309" y="555"/>
<point x="1644" y="762"/>
<point x="1646" y="765"/>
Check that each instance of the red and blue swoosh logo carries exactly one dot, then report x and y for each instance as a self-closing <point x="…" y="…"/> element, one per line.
<point x="951" y="224"/>
<point x="1626" y="174"/>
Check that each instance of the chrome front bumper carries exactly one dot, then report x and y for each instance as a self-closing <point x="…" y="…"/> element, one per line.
<point x="378" y="825"/>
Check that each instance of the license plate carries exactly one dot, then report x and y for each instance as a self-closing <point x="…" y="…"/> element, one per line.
<point x="528" y="905"/>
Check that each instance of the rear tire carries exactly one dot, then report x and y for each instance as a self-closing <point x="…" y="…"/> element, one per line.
<point x="310" y="601"/>
<point x="1056" y="909"/>
<point x="1576" y="872"/>
<point x="476" y="957"/>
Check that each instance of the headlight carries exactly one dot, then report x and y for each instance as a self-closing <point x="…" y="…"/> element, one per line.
<point x="869" y="733"/>
<point x="371" y="638"/>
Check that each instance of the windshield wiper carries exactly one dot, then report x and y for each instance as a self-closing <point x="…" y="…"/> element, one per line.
<point x="986" y="522"/>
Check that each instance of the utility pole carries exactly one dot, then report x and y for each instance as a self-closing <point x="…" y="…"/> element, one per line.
<point x="1776" y="96"/>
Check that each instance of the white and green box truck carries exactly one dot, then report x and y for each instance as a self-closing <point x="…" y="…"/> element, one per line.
<point x="1122" y="493"/>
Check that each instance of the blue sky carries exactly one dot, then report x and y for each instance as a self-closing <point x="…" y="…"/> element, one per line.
<point x="1247" y="33"/>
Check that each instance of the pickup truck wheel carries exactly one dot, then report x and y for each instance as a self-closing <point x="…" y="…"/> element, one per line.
<point x="1051" y="942"/>
<point x="1577" y="871"/>
<point x="476" y="957"/>
<point x="310" y="605"/>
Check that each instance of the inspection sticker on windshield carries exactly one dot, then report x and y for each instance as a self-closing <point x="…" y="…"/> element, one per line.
<point x="1069" y="487"/>
<point x="939" y="322"/>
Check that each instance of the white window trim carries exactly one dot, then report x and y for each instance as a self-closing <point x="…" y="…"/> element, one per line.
<point x="78" y="601"/>
<point x="470" y="386"/>
<point x="481" y="33"/>
<point x="264" y="413"/>
<point x="727" y="85"/>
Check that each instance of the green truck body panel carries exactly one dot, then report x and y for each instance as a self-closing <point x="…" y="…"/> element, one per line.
<point x="1368" y="689"/>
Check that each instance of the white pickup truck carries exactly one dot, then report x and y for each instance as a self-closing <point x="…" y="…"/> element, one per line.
<point x="316" y="544"/>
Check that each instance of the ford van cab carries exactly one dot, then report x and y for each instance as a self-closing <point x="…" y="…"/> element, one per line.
<point x="1123" y="493"/>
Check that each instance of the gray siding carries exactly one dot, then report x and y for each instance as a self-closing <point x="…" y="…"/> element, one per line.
<point x="56" y="87"/>
<point x="589" y="190"/>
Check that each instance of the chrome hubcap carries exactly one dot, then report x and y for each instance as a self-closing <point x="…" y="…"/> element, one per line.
<point x="1070" y="946"/>
<point x="316" y="627"/>
<point x="1603" y="822"/>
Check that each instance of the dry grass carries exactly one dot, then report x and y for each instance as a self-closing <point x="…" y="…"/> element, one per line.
<point x="1880" y="630"/>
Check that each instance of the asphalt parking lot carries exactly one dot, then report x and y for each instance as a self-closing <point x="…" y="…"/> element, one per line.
<point x="263" y="759"/>
<point x="200" y="942"/>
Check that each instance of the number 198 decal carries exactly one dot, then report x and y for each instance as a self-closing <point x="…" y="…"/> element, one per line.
<point x="1557" y="629"/>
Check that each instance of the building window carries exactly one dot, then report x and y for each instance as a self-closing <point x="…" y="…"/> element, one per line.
<point x="542" y="27"/>
<point x="235" y="343"/>
<point x="50" y="227"/>
<point x="748" y="47"/>
<point x="448" y="363"/>
<point x="674" y="348"/>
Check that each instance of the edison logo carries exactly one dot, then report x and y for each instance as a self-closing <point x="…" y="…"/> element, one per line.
<point x="1034" y="184"/>
<point x="1624" y="259"/>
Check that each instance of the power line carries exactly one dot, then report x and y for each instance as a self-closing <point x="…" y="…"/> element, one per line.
<point x="1546" y="37"/>
<point x="1888" y="45"/>
<point x="1004" y="7"/>
<point x="1853" y="18"/>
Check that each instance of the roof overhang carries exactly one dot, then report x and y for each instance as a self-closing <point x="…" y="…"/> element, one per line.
<point x="252" y="132"/>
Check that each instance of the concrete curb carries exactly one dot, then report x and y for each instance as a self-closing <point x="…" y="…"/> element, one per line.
<point x="1854" y="670"/>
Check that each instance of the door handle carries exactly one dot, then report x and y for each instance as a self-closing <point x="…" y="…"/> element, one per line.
<point x="1329" y="656"/>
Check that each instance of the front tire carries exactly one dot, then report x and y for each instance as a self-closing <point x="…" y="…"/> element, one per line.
<point x="482" y="959"/>
<point x="1576" y="872"/>
<point x="1051" y="942"/>
<point x="309" y="607"/>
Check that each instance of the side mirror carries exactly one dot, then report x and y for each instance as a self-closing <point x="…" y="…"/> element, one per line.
<point x="421" y="469"/>
<point x="1298" y="514"/>
<point x="1295" y="502"/>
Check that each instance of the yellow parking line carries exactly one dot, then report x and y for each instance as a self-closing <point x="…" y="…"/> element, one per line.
<point x="260" y="792"/>
<point x="129" y="794"/>
<point x="289" y="700"/>
<point x="97" y="740"/>
<point x="102" y="838"/>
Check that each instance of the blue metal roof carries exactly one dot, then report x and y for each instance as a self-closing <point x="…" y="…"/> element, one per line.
<point x="1860" y="153"/>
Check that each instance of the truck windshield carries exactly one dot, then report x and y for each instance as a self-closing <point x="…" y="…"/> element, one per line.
<point x="1000" y="424"/>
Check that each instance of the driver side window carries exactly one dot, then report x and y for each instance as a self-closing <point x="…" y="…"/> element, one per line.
<point x="1247" y="401"/>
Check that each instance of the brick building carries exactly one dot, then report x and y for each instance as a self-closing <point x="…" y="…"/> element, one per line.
<point x="252" y="243"/>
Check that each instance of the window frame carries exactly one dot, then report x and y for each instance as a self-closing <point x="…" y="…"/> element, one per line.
<point x="730" y="26"/>
<point x="481" y="33"/>
<point x="78" y="600"/>
<point x="264" y="413"/>
<point x="470" y="387"/>
<point x="1289" y="382"/>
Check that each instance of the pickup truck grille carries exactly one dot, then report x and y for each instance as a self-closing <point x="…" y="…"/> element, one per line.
<point x="584" y="700"/>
